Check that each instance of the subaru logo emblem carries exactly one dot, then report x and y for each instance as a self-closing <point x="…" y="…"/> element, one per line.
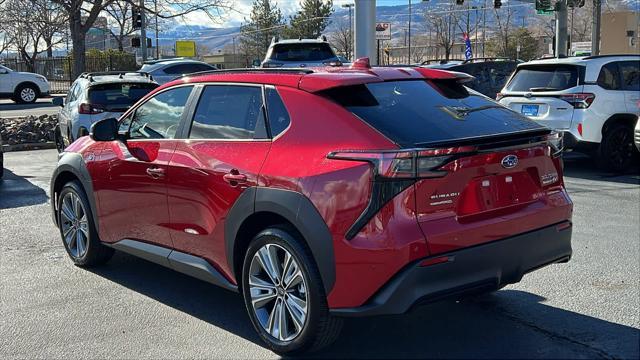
<point x="509" y="161"/>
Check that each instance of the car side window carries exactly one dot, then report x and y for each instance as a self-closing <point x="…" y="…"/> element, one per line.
<point x="630" y="71"/>
<point x="229" y="112"/>
<point x="609" y="77"/>
<point x="71" y="96"/>
<point x="159" y="117"/>
<point x="279" y="119"/>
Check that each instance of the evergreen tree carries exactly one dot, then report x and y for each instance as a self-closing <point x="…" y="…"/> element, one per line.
<point x="264" y="23"/>
<point x="311" y="20"/>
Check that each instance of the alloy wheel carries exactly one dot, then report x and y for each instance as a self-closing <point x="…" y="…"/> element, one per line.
<point x="75" y="226"/>
<point x="278" y="292"/>
<point x="27" y="94"/>
<point x="621" y="147"/>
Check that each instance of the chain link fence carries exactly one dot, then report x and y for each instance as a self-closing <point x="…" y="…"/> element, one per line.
<point x="57" y="70"/>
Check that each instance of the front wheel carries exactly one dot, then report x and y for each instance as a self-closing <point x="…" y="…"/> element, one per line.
<point x="26" y="94"/>
<point x="284" y="295"/>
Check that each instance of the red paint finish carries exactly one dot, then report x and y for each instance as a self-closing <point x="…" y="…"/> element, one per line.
<point x="200" y="197"/>
<point x="177" y="193"/>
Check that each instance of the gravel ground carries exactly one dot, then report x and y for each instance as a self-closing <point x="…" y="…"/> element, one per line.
<point x="588" y="308"/>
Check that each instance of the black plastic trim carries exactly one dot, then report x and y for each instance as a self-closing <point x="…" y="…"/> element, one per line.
<point x="187" y="264"/>
<point x="295" y="208"/>
<point x="483" y="267"/>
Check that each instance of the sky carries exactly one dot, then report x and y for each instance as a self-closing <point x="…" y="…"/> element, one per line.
<point x="242" y="9"/>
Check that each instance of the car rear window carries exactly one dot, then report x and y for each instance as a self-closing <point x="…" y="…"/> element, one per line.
<point x="118" y="96"/>
<point x="301" y="52"/>
<point x="422" y="113"/>
<point x="544" y="78"/>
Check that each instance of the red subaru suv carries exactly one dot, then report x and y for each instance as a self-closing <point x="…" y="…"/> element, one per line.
<point x="319" y="193"/>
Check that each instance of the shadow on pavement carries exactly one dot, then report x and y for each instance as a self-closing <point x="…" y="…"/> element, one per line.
<point x="37" y="105"/>
<point x="484" y="327"/>
<point x="577" y="165"/>
<point x="17" y="191"/>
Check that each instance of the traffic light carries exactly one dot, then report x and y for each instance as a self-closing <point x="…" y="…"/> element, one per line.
<point x="135" y="42"/>
<point x="459" y="2"/>
<point x="575" y="3"/>
<point x="136" y="17"/>
<point x="543" y="5"/>
<point x="497" y="4"/>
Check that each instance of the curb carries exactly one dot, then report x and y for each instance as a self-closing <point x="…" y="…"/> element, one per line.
<point x="28" y="146"/>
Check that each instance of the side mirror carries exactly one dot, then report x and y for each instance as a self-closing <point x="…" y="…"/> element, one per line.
<point x="104" y="130"/>
<point x="58" y="101"/>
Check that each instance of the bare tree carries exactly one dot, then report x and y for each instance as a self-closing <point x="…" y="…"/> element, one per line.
<point x="120" y="17"/>
<point x="83" y="14"/>
<point x="444" y="27"/>
<point x="504" y="27"/>
<point x="419" y="48"/>
<point x="341" y="38"/>
<point x="6" y="41"/>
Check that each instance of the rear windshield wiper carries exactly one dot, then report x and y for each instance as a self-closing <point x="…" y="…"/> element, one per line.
<point x="536" y="89"/>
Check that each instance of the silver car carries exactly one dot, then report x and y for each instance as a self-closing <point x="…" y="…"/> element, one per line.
<point x="97" y="96"/>
<point x="299" y="53"/>
<point x="165" y="70"/>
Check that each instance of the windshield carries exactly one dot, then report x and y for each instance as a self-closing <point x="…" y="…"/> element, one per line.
<point x="302" y="52"/>
<point x="118" y="96"/>
<point x="544" y="78"/>
<point x="418" y="113"/>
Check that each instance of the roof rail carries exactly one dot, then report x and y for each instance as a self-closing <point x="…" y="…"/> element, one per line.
<point x="252" y="70"/>
<point x="149" y="62"/>
<point x="609" y="55"/>
<point x="121" y="74"/>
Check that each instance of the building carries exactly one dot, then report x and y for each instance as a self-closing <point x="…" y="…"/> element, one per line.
<point x="226" y="60"/>
<point x="620" y="33"/>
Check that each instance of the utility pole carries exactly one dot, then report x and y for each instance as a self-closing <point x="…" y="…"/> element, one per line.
<point x="350" y="46"/>
<point x="143" y="32"/>
<point x="365" y="29"/>
<point x="595" y="27"/>
<point x="409" y="51"/>
<point x="484" y="26"/>
<point x="155" y="9"/>
<point x="561" y="28"/>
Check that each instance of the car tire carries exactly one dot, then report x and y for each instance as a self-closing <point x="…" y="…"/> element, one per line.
<point x="57" y="135"/>
<point x="77" y="229"/>
<point x="617" y="151"/>
<point x="26" y="94"/>
<point x="318" y="328"/>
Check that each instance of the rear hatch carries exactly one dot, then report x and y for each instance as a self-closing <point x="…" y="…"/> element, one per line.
<point x="110" y="100"/>
<point x="300" y="55"/>
<point x="480" y="172"/>
<point x="543" y="93"/>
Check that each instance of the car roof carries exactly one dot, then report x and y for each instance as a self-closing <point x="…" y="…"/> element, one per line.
<point x="151" y="66"/>
<point x="116" y="77"/>
<point x="317" y="79"/>
<point x="299" y="41"/>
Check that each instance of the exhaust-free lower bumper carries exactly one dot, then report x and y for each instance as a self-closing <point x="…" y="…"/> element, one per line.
<point x="480" y="268"/>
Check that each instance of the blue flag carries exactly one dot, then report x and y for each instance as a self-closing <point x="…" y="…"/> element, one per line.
<point x="468" y="54"/>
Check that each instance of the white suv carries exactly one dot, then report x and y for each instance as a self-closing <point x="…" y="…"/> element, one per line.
<point x="22" y="87"/>
<point x="97" y="96"/>
<point x="593" y="100"/>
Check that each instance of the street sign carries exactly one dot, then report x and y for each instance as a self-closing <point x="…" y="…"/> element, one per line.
<point x="383" y="31"/>
<point x="544" y="12"/>
<point x="185" y="48"/>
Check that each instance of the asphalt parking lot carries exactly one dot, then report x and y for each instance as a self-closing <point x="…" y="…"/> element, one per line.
<point x="8" y="108"/>
<point x="588" y="308"/>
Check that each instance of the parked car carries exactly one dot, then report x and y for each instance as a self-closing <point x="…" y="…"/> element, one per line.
<point x="490" y="74"/>
<point x="593" y="100"/>
<point x="96" y="96"/>
<point x="319" y="194"/>
<point x="165" y="70"/>
<point x="22" y="87"/>
<point x="298" y="53"/>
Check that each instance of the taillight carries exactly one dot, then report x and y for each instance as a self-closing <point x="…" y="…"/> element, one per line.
<point x="89" y="109"/>
<point x="580" y="100"/>
<point x="405" y="164"/>
<point x="499" y="96"/>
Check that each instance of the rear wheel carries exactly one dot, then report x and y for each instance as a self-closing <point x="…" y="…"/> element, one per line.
<point x="616" y="151"/>
<point x="284" y="295"/>
<point x="77" y="229"/>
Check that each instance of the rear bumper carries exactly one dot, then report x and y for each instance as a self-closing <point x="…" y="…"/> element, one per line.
<point x="480" y="268"/>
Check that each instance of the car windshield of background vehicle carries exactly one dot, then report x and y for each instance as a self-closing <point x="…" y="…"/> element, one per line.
<point x="544" y="78"/>
<point x="229" y="112"/>
<point x="118" y="97"/>
<point x="445" y="112"/>
<point x="302" y="52"/>
<point x="159" y="117"/>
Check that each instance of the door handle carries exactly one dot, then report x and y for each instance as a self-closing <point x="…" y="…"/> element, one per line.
<point x="234" y="178"/>
<point x="155" y="172"/>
